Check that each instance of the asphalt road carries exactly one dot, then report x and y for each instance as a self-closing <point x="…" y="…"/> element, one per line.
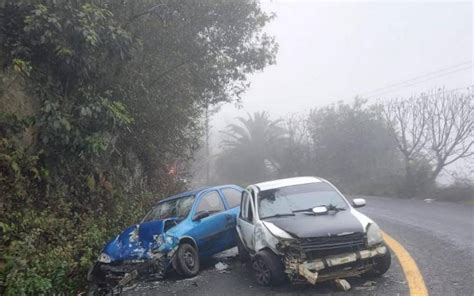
<point x="439" y="236"/>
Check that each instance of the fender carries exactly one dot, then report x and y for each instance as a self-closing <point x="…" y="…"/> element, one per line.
<point x="192" y="239"/>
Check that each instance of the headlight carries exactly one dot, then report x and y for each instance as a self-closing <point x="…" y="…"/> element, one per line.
<point x="104" y="258"/>
<point x="280" y="233"/>
<point x="374" y="235"/>
<point x="169" y="239"/>
<point x="159" y="240"/>
<point x="163" y="240"/>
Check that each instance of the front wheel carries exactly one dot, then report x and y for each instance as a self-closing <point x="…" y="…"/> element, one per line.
<point x="381" y="265"/>
<point x="268" y="268"/>
<point x="187" y="260"/>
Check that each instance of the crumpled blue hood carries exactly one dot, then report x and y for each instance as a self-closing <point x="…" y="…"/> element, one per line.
<point x="135" y="242"/>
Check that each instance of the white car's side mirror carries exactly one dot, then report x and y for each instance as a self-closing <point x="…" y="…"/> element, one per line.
<point x="358" y="202"/>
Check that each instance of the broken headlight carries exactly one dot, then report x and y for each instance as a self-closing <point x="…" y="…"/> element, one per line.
<point x="277" y="232"/>
<point x="104" y="258"/>
<point x="160" y="240"/>
<point x="164" y="242"/>
<point x="374" y="235"/>
<point x="170" y="240"/>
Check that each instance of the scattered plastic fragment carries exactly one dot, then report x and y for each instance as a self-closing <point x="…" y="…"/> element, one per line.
<point x="222" y="267"/>
<point x="342" y="284"/>
<point x="369" y="284"/>
<point x="230" y="253"/>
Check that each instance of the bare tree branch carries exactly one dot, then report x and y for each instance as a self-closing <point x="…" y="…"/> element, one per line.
<point x="451" y="133"/>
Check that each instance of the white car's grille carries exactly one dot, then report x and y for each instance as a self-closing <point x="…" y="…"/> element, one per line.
<point x="351" y="241"/>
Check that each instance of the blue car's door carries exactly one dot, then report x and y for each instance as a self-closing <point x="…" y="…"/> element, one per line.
<point x="232" y="197"/>
<point x="209" y="232"/>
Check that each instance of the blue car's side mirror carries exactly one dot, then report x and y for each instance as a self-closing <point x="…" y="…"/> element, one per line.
<point x="200" y="216"/>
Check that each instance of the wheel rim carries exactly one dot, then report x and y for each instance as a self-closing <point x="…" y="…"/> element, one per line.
<point x="188" y="259"/>
<point x="262" y="272"/>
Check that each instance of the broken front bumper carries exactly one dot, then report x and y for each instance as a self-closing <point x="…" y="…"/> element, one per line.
<point x="334" y="266"/>
<point x="122" y="273"/>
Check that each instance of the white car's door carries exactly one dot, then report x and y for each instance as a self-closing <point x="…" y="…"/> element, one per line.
<point x="245" y="221"/>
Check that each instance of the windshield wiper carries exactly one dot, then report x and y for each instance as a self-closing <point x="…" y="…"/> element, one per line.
<point x="277" y="215"/>
<point x="308" y="209"/>
<point x="330" y="207"/>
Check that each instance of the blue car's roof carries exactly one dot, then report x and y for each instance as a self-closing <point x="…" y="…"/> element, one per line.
<point x="197" y="191"/>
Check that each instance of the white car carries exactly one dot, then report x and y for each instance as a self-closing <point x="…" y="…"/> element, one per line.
<point x="304" y="228"/>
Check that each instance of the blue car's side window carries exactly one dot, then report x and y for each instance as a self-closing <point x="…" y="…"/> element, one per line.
<point x="211" y="202"/>
<point x="232" y="196"/>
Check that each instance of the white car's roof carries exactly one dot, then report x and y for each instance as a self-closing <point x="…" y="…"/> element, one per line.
<point x="287" y="182"/>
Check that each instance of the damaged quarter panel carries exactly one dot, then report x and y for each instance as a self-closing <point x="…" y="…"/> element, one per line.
<point x="265" y="239"/>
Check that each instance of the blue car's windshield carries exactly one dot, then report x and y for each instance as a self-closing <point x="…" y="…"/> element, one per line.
<point x="178" y="208"/>
<point x="291" y="199"/>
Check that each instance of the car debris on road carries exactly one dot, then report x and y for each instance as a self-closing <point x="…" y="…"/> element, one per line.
<point x="221" y="267"/>
<point x="342" y="284"/>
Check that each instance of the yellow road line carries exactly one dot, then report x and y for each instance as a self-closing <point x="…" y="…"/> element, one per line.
<point x="416" y="284"/>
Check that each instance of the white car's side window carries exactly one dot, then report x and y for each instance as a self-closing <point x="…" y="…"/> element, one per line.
<point x="250" y="211"/>
<point x="246" y="208"/>
<point x="243" y="207"/>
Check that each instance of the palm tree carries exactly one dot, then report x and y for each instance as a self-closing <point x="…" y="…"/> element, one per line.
<point x="251" y="145"/>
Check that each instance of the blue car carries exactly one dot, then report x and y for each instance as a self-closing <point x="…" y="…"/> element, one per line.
<point x="178" y="233"/>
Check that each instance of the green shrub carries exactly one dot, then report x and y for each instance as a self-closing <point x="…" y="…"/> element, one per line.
<point x="114" y="100"/>
<point x="47" y="243"/>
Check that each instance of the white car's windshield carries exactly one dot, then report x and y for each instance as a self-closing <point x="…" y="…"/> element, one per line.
<point x="178" y="208"/>
<point x="291" y="199"/>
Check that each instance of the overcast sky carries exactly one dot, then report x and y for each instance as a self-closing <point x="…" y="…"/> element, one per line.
<point x="331" y="51"/>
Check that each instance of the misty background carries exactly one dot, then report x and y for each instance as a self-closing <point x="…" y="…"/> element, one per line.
<point x="107" y="107"/>
<point x="336" y="51"/>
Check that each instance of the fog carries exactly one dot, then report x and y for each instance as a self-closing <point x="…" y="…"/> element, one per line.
<point x="330" y="51"/>
<point x="110" y="110"/>
<point x="378" y="50"/>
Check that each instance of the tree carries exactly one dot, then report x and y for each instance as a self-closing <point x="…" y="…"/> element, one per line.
<point x="206" y="50"/>
<point x="450" y="128"/>
<point x="408" y="122"/>
<point x="435" y="129"/>
<point x="204" y="158"/>
<point x="119" y="88"/>
<point x="294" y="154"/>
<point x="352" y="146"/>
<point x="249" y="152"/>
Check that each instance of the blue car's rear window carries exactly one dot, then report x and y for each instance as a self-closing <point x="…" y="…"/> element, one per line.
<point x="175" y="208"/>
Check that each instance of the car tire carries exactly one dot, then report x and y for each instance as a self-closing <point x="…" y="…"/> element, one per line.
<point x="244" y="255"/>
<point x="175" y="265"/>
<point x="380" y="266"/>
<point x="268" y="268"/>
<point x="187" y="260"/>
